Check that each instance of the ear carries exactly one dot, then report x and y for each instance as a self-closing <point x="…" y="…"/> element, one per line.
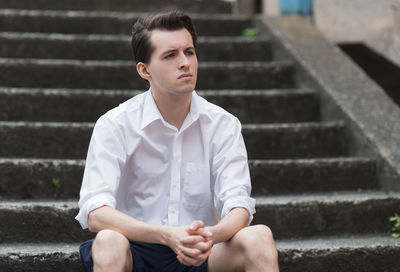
<point x="142" y="70"/>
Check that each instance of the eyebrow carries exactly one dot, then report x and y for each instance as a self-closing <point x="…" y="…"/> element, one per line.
<point x="174" y="50"/>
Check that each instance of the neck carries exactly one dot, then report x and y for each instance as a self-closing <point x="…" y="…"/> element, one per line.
<point x="173" y="108"/>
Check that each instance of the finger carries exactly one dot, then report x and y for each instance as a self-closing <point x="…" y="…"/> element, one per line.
<point x="191" y="240"/>
<point x="196" y="261"/>
<point x="206" y="233"/>
<point x="189" y="261"/>
<point x="205" y="255"/>
<point x="183" y="260"/>
<point x="203" y="246"/>
<point x="190" y="252"/>
<point x="196" y="225"/>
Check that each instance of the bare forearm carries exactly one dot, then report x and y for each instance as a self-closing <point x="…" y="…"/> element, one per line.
<point x="109" y="218"/>
<point x="234" y="221"/>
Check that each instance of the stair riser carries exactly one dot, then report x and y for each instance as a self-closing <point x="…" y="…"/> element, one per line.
<point x="109" y="24"/>
<point x="38" y="180"/>
<point x="321" y="219"/>
<point x="44" y="142"/>
<point x="72" y="142"/>
<point x="121" y="50"/>
<point x="38" y="224"/>
<point x="26" y="180"/>
<point x="294" y="142"/>
<point x="204" y="6"/>
<point x="317" y="176"/>
<point x="41" y="262"/>
<point x="70" y="107"/>
<point x="355" y="260"/>
<point x="49" y="224"/>
<point x="385" y="258"/>
<point x="124" y="76"/>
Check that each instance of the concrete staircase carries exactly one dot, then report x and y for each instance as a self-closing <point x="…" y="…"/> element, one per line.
<point x="64" y="63"/>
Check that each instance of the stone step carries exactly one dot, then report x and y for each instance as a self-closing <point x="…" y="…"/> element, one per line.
<point x="61" y="179"/>
<point x="41" y="222"/>
<point x="327" y="214"/>
<point x="202" y="6"/>
<point x="329" y="254"/>
<point x="40" y="178"/>
<point x="298" y="140"/>
<point x="287" y="216"/>
<point x="43" y="73"/>
<point x="42" y="257"/>
<point x="118" y="47"/>
<point x="312" y="175"/>
<point x="333" y="254"/>
<point x="101" y="22"/>
<point x="72" y="105"/>
<point x="264" y="141"/>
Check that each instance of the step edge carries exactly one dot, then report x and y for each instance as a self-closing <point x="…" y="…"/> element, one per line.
<point x="261" y="201"/>
<point x="307" y="161"/>
<point x="66" y="37"/>
<point x="116" y="14"/>
<point x="336" y="243"/>
<point x="354" y="197"/>
<point x="109" y="92"/>
<point x="130" y="63"/>
<point x="26" y="249"/>
<point x="298" y="125"/>
<point x="248" y="127"/>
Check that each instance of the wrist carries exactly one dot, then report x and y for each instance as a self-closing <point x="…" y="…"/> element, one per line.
<point x="165" y="235"/>
<point x="215" y="230"/>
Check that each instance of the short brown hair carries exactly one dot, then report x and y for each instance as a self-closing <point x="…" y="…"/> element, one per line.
<point x="174" y="20"/>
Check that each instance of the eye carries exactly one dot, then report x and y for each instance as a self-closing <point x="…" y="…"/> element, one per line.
<point x="169" y="56"/>
<point x="190" y="52"/>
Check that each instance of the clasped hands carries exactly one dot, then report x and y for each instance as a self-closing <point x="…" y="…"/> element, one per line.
<point x="192" y="244"/>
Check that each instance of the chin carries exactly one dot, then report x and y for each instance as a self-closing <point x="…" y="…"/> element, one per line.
<point x="186" y="91"/>
<point x="189" y="88"/>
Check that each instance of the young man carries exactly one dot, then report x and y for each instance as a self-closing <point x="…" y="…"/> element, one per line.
<point x="166" y="183"/>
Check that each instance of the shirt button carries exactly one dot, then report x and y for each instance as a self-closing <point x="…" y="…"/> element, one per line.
<point x="172" y="211"/>
<point x="177" y="158"/>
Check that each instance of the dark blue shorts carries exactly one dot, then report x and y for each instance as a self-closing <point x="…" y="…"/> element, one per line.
<point x="146" y="258"/>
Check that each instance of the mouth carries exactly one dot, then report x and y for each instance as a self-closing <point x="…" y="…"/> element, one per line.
<point x="185" y="76"/>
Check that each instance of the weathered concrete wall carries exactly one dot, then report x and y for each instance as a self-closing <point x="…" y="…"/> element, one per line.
<point x="376" y="23"/>
<point x="271" y="7"/>
<point x="346" y="92"/>
<point x="243" y="6"/>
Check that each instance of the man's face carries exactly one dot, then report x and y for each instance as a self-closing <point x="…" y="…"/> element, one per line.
<point x="173" y="63"/>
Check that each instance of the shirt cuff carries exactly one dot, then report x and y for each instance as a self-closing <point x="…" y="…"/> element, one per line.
<point x="91" y="204"/>
<point x="245" y="202"/>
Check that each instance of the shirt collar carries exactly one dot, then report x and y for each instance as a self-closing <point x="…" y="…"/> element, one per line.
<point x="151" y="112"/>
<point x="198" y="107"/>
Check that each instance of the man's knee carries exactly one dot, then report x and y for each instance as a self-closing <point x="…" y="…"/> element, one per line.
<point x="110" y="248"/>
<point x="257" y="241"/>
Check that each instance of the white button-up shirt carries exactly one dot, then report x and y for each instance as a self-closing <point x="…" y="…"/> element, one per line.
<point x="142" y="166"/>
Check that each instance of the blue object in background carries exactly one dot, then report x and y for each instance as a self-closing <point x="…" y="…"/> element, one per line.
<point x="296" y="6"/>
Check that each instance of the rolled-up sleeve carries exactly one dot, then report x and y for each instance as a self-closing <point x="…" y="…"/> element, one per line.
<point x="232" y="185"/>
<point x="105" y="160"/>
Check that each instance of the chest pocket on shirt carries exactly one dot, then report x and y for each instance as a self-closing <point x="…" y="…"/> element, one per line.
<point x="196" y="185"/>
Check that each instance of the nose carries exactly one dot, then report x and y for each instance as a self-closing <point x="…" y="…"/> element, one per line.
<point x="183" y="61"/>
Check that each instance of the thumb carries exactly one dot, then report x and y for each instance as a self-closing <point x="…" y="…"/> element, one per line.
<point x="196" y="225"/>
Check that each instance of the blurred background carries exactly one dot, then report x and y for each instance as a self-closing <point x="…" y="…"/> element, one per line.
<point x="368" y="31"/>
